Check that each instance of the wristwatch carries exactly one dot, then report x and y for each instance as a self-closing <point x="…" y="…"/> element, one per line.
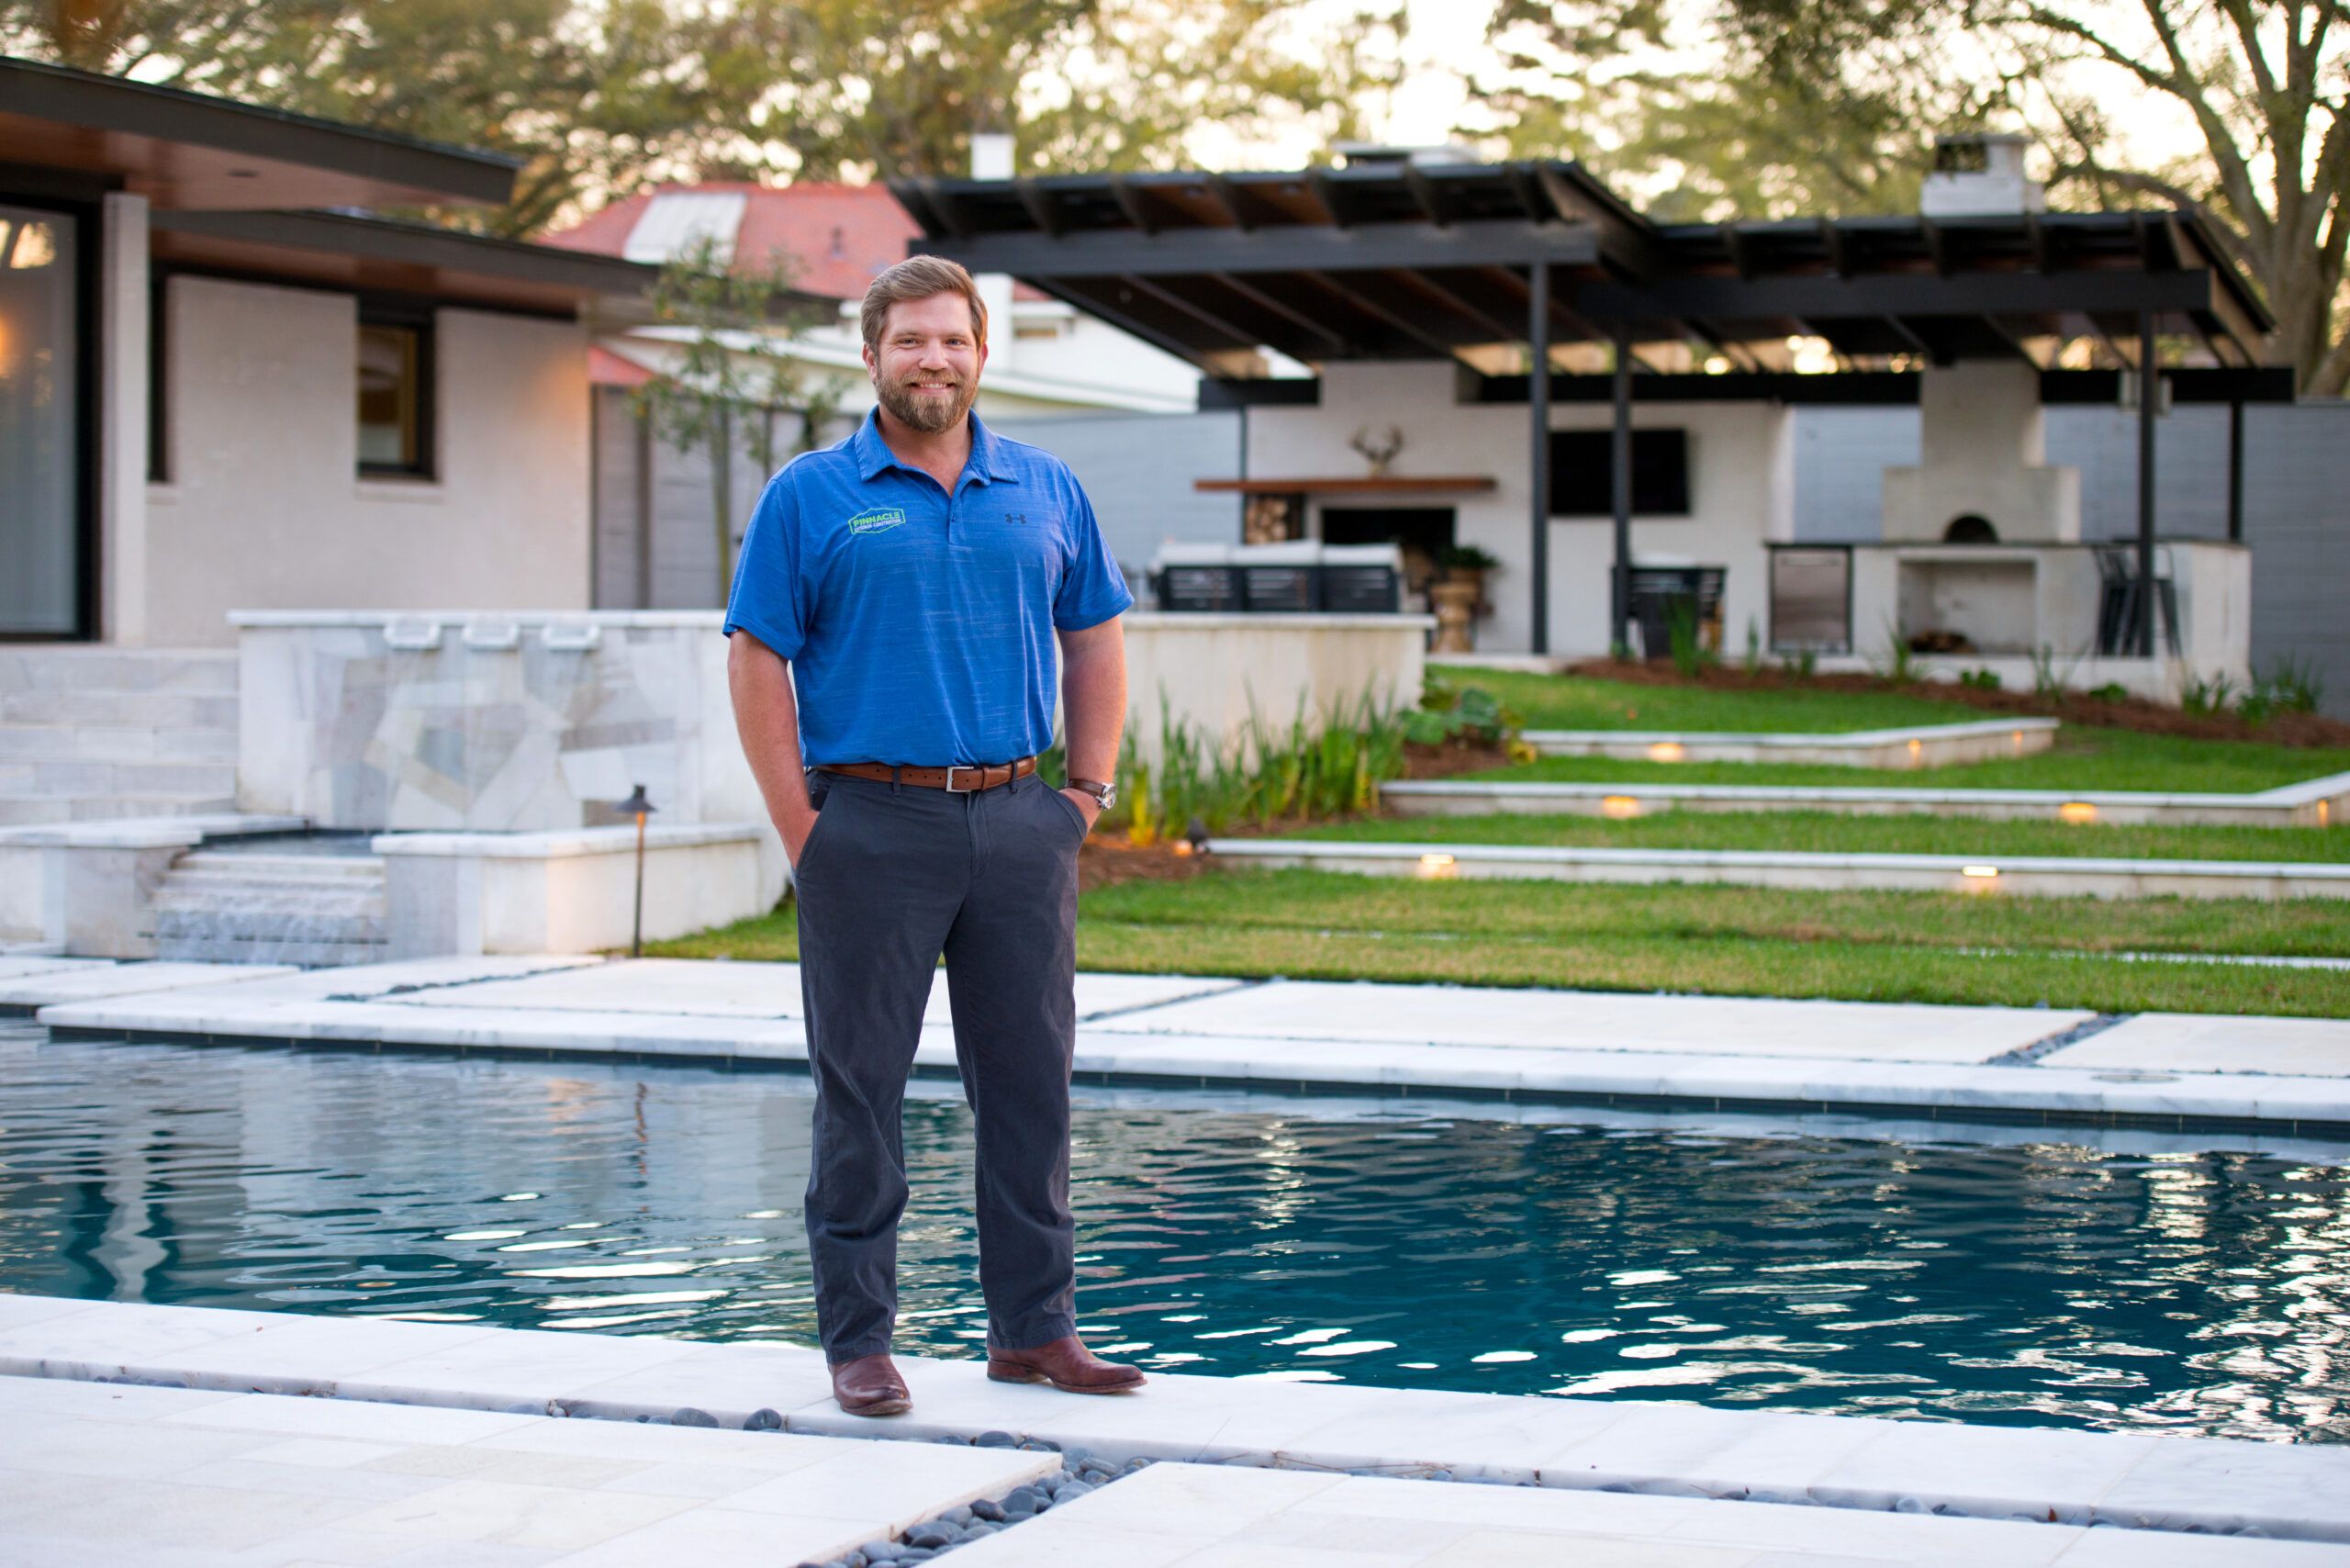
<point x="1105" y="795"/>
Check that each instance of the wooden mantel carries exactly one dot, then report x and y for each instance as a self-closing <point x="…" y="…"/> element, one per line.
<point x="1360" y="484"/>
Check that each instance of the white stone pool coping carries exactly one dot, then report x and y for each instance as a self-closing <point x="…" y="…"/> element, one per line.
<point x="2314" y="802"/>
<point x="2291" y="1492"/>
<point x="2289" y="1076"/>
<point x="256" y="1479"/>
<point x="2041" y="875"/>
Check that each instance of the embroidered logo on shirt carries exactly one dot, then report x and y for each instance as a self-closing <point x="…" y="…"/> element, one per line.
<point x="879" y="521"/>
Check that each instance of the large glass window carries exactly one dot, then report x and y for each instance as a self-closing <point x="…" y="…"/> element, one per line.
<point x="394" y="395"/>
<point x="41" y="502"/>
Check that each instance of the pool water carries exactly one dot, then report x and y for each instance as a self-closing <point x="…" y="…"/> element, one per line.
<point x="1823" y="1266"/>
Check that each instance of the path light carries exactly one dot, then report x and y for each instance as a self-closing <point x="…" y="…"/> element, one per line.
<point x="2077" y="811"/>
<point x="1437" y="866"/>
<point x="1620" y="807"/>
<point x="1665" y="751"/>
<point x="1917" y="750"/>
<point x="2018" y="743"/>
<point x="637" y="806"/>
<point x="1195" y="838"/>
<point x="1979" y="873"/>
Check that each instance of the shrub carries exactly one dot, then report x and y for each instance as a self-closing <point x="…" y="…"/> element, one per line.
<point x="2202" y="696"/>
<point x="2285" y="685"/>
<point x="1979" y="679"/>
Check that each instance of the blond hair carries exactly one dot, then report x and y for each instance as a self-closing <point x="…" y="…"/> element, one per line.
<point x="919" y="277"/>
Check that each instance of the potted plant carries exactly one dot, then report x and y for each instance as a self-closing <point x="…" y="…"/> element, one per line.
<point x="1468" y="563"/>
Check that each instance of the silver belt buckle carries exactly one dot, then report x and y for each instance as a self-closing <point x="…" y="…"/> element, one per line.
<point x="955" y="788"/>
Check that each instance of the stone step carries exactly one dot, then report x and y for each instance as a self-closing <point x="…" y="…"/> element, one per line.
<point x="118" y="778"/>
<point x="68" y="668"/>
<point x="110" y="743"/>
<point x="256" y="864"/>
<point x="20" y="810"/>
<point x="22" y="706"/>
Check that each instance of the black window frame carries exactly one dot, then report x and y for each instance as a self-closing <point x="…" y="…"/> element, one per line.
<point x="380" y="310"/>
<point x="83" y="205"/>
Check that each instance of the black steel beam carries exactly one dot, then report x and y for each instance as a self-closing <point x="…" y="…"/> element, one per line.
<point x="1909" y="294"/>
<point x="1619" y="501"/>
<point x="2150" y="399"/>
<point x="1288" y="248"/>
<point x="1331" y="340"/>
<point x="1537" y="337"/>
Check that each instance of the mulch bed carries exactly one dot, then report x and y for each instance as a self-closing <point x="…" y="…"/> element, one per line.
<point x="2071" y="707"/>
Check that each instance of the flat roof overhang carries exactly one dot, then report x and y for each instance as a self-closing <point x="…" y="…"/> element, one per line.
<point x="1393" y="262"/>
<point x="187" y="152"/>
<point x="362" y="252"/>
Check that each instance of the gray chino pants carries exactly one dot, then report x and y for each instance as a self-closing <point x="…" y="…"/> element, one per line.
<point x="890" y="878"/>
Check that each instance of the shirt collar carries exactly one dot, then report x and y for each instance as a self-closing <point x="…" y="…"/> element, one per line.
<point x="988" y="461"/>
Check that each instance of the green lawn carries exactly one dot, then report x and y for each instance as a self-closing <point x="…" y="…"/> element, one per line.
<point x="1889" y="947"/>
<point x="1579" y="702"/>
<point x="1834" y="833"/>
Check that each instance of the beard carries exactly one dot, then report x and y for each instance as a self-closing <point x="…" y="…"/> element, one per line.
<point x="928" y="415"/>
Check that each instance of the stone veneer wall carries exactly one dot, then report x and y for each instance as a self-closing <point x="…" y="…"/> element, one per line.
<point x="537" y="722"/>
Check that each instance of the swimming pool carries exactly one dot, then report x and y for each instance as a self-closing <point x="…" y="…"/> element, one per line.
<point x="2022" y="1278"/>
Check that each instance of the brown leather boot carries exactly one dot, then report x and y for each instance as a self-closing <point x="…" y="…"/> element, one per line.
<point x="1067" y="1365"/>
<point x="870" y="1385"/>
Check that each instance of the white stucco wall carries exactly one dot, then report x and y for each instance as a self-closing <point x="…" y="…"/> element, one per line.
<point x="1740" y="491"/>
<point x="264" y="507"/>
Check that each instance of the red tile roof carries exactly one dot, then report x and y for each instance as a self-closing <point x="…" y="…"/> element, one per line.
<point x="835" y="237"/>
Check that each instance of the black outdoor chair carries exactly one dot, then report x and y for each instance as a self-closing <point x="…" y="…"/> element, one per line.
<point x="1654" y="591"/>
<point x="2118" y="608"/>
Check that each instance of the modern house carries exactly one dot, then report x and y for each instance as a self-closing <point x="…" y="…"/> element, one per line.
<point x="226" y="385"/>
<point x="1051" y="367"/>
<point x="1660" y="454"/>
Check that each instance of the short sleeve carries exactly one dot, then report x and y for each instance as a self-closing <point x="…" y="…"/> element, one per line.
<point x="768" y="599"/>
<point x="1093" y="589"/>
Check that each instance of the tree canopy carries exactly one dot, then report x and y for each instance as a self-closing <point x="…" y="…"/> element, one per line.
<point x="1716" y="108"/>
<point x="598" y="96"/>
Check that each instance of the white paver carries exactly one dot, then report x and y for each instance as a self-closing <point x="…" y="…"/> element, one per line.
<point x="1397" y="1037"/>
<point x="24" y="965"/>
<point x="753" y="990"/>
<point x="105" y="980"/>
<point x="2187" y="1042"/>
<point x="92" y="1472"/>
<point x="1181" y="1516"/>
<point x="1855" y="1467"/>
<point x="1738" y="1026"/>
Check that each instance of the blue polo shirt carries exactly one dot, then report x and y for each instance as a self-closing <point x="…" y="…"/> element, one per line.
<point x="919" y="625"/>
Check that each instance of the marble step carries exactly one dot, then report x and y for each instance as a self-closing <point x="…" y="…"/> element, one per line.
<point x="112" y="743"/>
<point x="67" y="667"/>
<point x="272" y="907"/>
<point x="29" y="810"/>
<point x="21" y="706"/>
<point x="117" y="779"/>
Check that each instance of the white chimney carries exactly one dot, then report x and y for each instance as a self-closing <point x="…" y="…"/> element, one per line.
<point x="991" y="158"/>
<point x="1979" y="173"/>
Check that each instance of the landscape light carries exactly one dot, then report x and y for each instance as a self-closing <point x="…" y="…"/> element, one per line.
<point x="1665" y="751"/>
<point x="1437" y="865"/>
<point x="2019" y="740"/>
<point x="2077" y="811"/>
<point x="637" y="806"/>
<point x="2324" y="810"/>
<point x="1620" y="806"/>
<point x="1979" y="873"/>
<point x="1917" y="749"/>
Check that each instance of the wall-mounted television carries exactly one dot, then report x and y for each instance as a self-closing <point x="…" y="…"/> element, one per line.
<point x="1580" y="473"/>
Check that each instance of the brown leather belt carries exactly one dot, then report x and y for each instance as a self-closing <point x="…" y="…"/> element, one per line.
<point x="961" y="780"/>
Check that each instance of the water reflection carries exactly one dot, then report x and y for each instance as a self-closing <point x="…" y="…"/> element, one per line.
<point x="2024" y="1278"/>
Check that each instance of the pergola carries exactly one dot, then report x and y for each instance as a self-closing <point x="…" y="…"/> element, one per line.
<point x="1397" y="261"/>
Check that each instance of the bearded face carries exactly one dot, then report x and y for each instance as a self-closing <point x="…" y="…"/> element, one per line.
<point x="927" y="368"/>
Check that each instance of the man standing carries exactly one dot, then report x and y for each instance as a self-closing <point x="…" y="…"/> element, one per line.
<point x="910" y="584"/>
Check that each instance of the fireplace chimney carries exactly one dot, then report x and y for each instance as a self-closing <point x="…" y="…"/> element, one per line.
<point x="1977" y="172"/>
